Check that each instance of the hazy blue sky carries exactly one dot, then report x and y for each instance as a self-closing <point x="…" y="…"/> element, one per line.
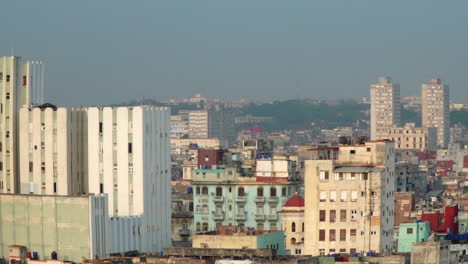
<point x="101" y="52"/>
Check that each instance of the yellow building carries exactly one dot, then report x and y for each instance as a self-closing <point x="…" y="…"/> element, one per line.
<point x="292" y="218"/>
<point x="349" y="194"/>
<point x="414" y="138"/>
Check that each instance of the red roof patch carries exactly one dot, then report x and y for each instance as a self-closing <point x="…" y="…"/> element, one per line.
<point x="295" y="201"/>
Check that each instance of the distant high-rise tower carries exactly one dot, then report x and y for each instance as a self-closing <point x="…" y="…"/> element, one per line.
<point x="385" y="107"/>
<point x="21" y="84"/>
<point x="436" y="109"/>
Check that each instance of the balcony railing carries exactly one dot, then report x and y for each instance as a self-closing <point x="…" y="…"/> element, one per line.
<point x="259" y="199"/>
<point x="240" y="217"/>
<point x="272" y="217"/>
<point x="272" y="199"/>
<point x="241" y="199"/>
<point x="218" y="199"/>
<point x="260" y="217"/>
<point x="218" y="216"/>
<point x="184" y="232"/>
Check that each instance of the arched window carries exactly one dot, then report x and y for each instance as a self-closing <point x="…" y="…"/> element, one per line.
<point x="260" y="192"/>
<point x="273" y="192"/>
<point x="302" y="226"/>
<point x="293" y="241"/>
<point x="219" y="191"/>
<point x="293" y="227"/>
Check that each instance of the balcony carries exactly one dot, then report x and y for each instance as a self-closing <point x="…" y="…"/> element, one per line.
<point x="259" y="199"/>
<point x="218" y="216"/>
<point x="240" y="217"/>
<point x="241" y="199"/>
<point x="272" y="199"/>
<point x="259" y="217"/>
<point x="218" y="199"/>
<point x="184" y="232"/>
<point x="273" y="217"/>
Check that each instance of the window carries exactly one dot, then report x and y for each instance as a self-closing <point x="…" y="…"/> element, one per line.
<point x="322" y="250"/>
<point x="205" y="190"/>
<point x="130" y="149"/>
<point x="260" y="192"/>
<point x="343" y="196"/>
<point x="284" y="191"/>
<point x="293" y="227"/>
<point x="352" y="233"/>
<point x="352" y="151"/>
<point x="324" y="175"/>
<point x="322" y="216"/>
<point x="332" y="236"/>
<point x="293" y="240"/>
<point x="260" y="227"/>
<point x="8" y="77"/>
<point x="332" y="216"/>
<point x="219" y="191"/>
<point x="353" y="196"/>
<point x="55" y="187"/>
<point x="342" y="234"/>
<point x="25" y="80"/>
<point x="205" y="226"/>
<point x="197" y="190"/>
<point x="353" y="214"/>
<point x="273" y="192"/>
<point x="332" y="196"/>
<point x="302" y="228"/>
<point x="323" y="196"/>
<point x="409" y="231"/>
<point x="100" y="127"/>
<point x="365" y="176"/>
<point x="322" y="236"/>
<point x="30" y="166"/>
<point x="7" y="96"/>
<point x="342" y="215"/>
<point x="240" y="191"/>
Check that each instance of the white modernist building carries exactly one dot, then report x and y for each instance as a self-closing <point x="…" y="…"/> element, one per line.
<point x="21" y="84"/>
<point x="436" y="109"/>
<point x="129" y="159"/>
<point x="52" y="151"/>
<point x="123" y="152"/>
<point x="385" y="107"/>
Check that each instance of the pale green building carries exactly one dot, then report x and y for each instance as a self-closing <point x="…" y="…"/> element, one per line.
<point x="74" y="227"/>
<point x="410" y="233"/>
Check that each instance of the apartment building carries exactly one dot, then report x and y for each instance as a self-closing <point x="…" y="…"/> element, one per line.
<point x="231" y="194"/>
<point x="179" y="126"/>
<point x="211" y="124"/>
<point x="53" y="150"/>
<point x="349" y="199"/>
<point x="385" y="107"/>
<point x="410" y="137"/>
<point x="21" y="84"/>
<point x="436" y="109"/>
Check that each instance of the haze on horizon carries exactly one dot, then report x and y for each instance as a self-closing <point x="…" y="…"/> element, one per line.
<point x="104" y="52"/>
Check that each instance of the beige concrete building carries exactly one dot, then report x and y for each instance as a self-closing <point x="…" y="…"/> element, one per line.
<point x="199" y="124"/>
<point x="349" y="199"/>
<point x="211" y="124"/>
<point x="436" y="109"/>
<point x="21" y="84"/>
<point x="411" y="137"/>
<point x="53" y="151"/>
<point x="292" y="220"/>
<point x="385" y="107"/>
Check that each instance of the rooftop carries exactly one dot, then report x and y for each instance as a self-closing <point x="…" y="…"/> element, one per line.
<point x="295" y="201"/>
